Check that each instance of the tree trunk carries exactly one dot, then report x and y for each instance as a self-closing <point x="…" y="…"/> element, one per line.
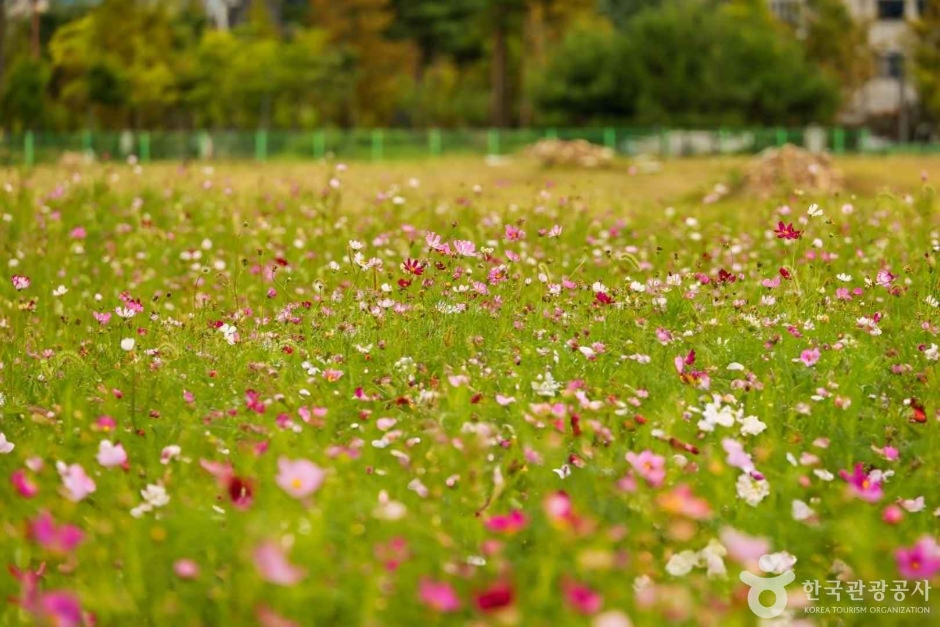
<point x="3" y="42"/>
<point x="499" y="69"/>
<point x="34" y="18"/>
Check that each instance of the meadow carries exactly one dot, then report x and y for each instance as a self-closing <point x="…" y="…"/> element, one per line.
<point x="446" y="393"/>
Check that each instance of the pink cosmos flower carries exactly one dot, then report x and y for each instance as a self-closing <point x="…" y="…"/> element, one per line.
<point x="650" y="466"/>
<point x="439" y="596"/>
<point x="884" y="278"/>
<point x="512" y="522"/>
<point x="921" y="561"/>
<point x="76" y="482"/>
<point x="299" y="478"/>
<point x="809" y="357"/>
<point x="274" y="566"/>
<point x="58" y="608"/>
<point x="581" y="598"/>
<point x="269" y="618"/>
<point x="111" y="455"/>
<point x="24" y="487"/>
<point x="186" y="568"/>
<point x="743" y="548"/>
<point x="61" y="539"/>
<point x="862" y="485"/>
<point x="465" y="248"/>
<point x="20" y="282"/>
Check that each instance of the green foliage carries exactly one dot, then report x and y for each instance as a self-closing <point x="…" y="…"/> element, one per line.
<point x="120" y="64"/>
<point x="927" y="57"/>
<point x="685" y="63"/>
<point x="23" y="100"/>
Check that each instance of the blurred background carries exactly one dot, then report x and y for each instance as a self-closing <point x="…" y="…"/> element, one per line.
<point x="616" y="69"/>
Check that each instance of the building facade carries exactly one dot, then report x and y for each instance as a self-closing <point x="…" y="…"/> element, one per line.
<point x="890" y="94"/>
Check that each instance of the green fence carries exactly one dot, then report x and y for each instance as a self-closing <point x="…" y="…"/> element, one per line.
<point x="30" y="148"/>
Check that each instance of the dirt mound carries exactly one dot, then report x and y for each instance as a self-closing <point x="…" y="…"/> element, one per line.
<point x="578" y="153"/>
<point x="789" y="168"/>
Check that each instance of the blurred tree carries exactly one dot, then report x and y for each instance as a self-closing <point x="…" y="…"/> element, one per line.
<point x="437" y="28"/>
<point x="24" y="94"/>
<point x="926" y="57"/>
<point x="685" y="63"/>
<point x="360" y="27"/>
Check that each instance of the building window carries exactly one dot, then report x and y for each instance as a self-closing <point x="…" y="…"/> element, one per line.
<point x="892" y="65"/>
<point x="890" y="9"/>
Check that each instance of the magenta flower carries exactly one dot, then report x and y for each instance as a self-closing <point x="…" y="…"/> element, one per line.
<point x="862" y="485"/>
<point x="274" y="566"/>
<point x="299" y="478"/>
<point x="512" y="522"/>
<point x="809" y="357"/>
<point x="24" y="487"/>
<point x="921" y="561"/>
<point x="439" y="596"/>
<point x="649" y="465"/>
<point x="582" y="598"/>
<point x="58" y="608"/>
<point x="61" y="539"/>
<point x="76" y="482"/>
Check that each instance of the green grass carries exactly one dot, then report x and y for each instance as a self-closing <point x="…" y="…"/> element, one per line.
<point x="267" y="249"/>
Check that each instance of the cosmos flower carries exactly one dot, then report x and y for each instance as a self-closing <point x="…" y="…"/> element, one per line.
<point x="111" y="455"/>
<point x="862" y="484"/>
<point x="299" y="478"/>
<point x="920" y="561"/>
<point x="648" y="465"/>
<point x="61" y="539"/>
<point x="439" y="596"/>
<point x="76" y="482"/>
<point x="513" y="522"/>
<point x="20" y="282"/>
<point x="786" y="231"/>
<point x="273" y="565"/>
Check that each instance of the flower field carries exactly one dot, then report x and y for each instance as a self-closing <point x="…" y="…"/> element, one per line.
<point x="298" y="395"/>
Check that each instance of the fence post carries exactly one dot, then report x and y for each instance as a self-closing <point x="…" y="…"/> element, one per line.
<point x="86" y="140"/>
<point x="261" y="145"/>
<point x="551" y="134"/>
<point x="492" y="141"/>
<point x="781" y="136"/>
<point x="434" y="142"/>
<point x="145" y="147"/>
<point x="610" y="138"/>
<point x="863" y="140"/>
<point x="319" y="144"/>
<point x="29" y="149"/>
<point x="664" y="142"/>
<point x="838" y="140"/>
<point x="376" y="144"/>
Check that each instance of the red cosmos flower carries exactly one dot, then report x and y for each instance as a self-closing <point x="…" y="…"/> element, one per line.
<point x="241" y="492"/>
<point x="413" y="266"/>
<point x="726" y="277"/>
<point x="496" y="597"/>
<point x="786" y="231"/>
<point x="603" y="298"/>
<point x="920" y="414"/>
<point x="785" y="274"/>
